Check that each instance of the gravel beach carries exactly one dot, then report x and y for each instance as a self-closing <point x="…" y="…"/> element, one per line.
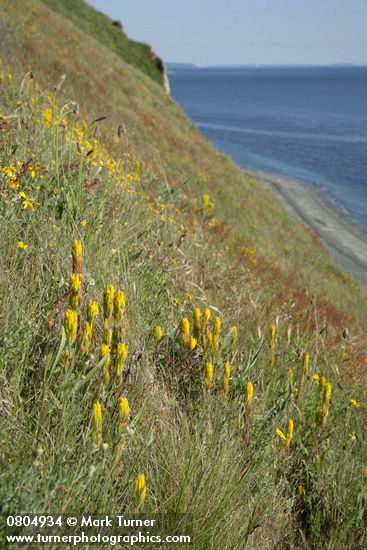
<point x="346" y="242"/>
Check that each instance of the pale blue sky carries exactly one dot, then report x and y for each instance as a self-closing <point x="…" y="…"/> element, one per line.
<point x="247" y="31"/>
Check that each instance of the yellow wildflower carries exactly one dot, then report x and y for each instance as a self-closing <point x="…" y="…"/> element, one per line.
<point x="208" y="205"/>
<point x="305" y="366"/>
<point x="206" y="314"/>
<point x="140" y="490"/>
<point x="26" y="202"/>
<point x="22" y="245"/>
<point x="83" y="223"/>
<point x="322" y="412"/>
<point x="191" y="343"/>
<point x="158" y="333"/>
<point x="217" y="325"/>
<point x="97" y="424"/>
<point x="77" y="255"/>
<point x="315" y="377"/>
<point x="92" y="311"/>
<point x="71" y="325"/>
<point x="287" y="438"/>
<point x="118" y="306"/>
<point x="123" y="412"/>
<point x="280" y="434"/>
<point x="225" y="381"/>
<point x="121" y="355"/>
<point x="272" y="333"/>
<point x="197" y="322"/>
<point x="103" y="351"/>
<point x="75" y="284"/>
<point x="86" y="337"/>
<point x="355" y="403"/>
<point x="208" y="378"/>
<point x="108" y="296"/>
<point x="249" y="393"/>
<point x="185" y="329"/>
<point x="205" y="327"/>
<point x="289" y="433"/>
<point x="39" y="449"/>
<point x="216" y="332"/>
<point x="234" y="333"/>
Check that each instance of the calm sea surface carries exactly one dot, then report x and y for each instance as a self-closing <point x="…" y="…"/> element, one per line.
<point x="308" y="124"/>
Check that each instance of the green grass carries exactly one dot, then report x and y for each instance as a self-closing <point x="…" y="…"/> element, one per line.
<point x="135" y="202"/>
<point x="101" y="28"/>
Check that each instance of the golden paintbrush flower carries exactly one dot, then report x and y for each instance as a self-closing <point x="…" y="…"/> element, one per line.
<point x="158" y="333"/>
<point x="92" y="311"/>
<point x="208" y="205"/>
<point x="234" y="333"/>
<point x="118" y="306"/>
<point x="185" y="329"/>
<point x="75" y="282"/>
<point x="96" y="432"/>
<point x="105" y="350"/>
<point x="305" y="366"/>
<point x="197" y="322"/>
<point x="225" y="381"/>
<point x="208" y="375"/>
<point x="280" y="434"/>
<point x="77" y="255"/>
<point x="205" y="326"/>
<point x="206" y="314"/>
<point x="75" y="285"/>
<point x="71" y="325"/>
<point x="191" y="343"/>
<point x="287" y="438"/>
<point x="121" y="355"/>
<point x="327" y="394"/>
<point x="140" y="490"/>
<point x="123" y="412"/>
<point x="216" y="325"/>
<point x="322" y="412"/>
<point x="216" y="332"/>
<point x="289" y="432"/>
<point x="249" y="393"/>
<point x="108" y="297"/>
<point x="209" y="340"/>
<point x="86" y="337"/>
<point x="272" y="333"/>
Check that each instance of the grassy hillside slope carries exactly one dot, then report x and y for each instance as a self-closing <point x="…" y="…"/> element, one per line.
<point x="158" y="132"/>
<point x="110" y="34"/>
<point x="161" y="315"/>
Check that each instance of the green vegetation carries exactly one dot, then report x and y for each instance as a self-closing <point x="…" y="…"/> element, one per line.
<point x="139" y="200"/>
<point x="110" y="34"/>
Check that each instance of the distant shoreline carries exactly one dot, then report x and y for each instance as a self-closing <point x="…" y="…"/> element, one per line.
<point x="346" y="242"/>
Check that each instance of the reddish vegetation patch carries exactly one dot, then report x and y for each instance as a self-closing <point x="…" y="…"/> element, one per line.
<point x="316" y="241"/>
<point x="220" y="230"/>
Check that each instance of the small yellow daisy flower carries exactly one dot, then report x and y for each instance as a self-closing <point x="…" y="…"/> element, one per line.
<point x="22" y="245"/>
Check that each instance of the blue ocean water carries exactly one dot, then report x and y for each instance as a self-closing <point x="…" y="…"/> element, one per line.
<point x="309" y="124"/>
